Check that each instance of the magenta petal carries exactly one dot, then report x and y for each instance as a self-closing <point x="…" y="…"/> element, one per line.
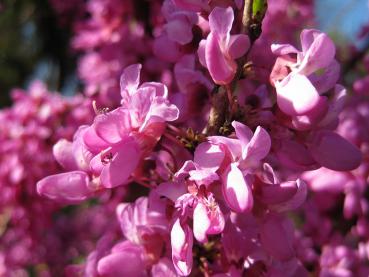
<point x="171" y="190"/>
<point x="334" y="152"/>
<point x="295" y="155"/>
<point x="220" y="20"/>
<point x="164" y="268"/>
<point x="126" y="263"/>
<point x="236" y="191"/>
<point x="192" y="5"/>
<point x="160" y="89"/>
<point x="312" y="118"/>
<point x="277" y="193"/>
<point x="182" y="242"/>
<point x="276" y="237"/>
<point x="296" y="95"/>
<point x="326" y="180"/>
<point x="283" y="49"/>
<point x="179" y="30"/>
<point x="296" y="201"/>
<point x="203" y="176"/>
<point x="130" y="80"/>
<point x="63" y="153"/>
<point x="238" y="45"/>
<point x="69" y="187"/>
<point x="124" y="162"/>
<point x="208" y="155"/>
<point x="96" y="165"/>
<point x="81" y="153"/>
<point x="259" y="146"/>
<point x="183" y="172"/>
<point x="160" y="111"/>
<point x="221" y="67"/>
<point x="201" y="52"/>
<point x="327" y="80"/>
<point x="233" y="145"/>
<point x="113" y="126"/>
<point x="243" y="133"/>
<point x="207" y="221"/>
<point x="307" y="37"/>
<point x="320" y="53"/>
<point x="166" y="49"/>
<point x="201" y="222"/>
<point x="93" y="142"/>
<point x="337" y="103"/>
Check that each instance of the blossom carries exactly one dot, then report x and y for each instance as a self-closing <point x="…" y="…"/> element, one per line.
<point x="220" y="49"/>
<point x="244" y="153"/>
<point x="298" y="80"/>
<point x="110" y="149"/>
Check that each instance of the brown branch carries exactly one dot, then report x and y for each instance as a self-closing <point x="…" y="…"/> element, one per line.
<point x="247" y="16"/>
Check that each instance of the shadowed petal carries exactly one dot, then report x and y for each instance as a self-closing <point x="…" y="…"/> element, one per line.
<point x="334" y="152"/>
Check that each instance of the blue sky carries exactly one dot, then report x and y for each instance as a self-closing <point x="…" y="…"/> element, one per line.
<point x="346" y="16"/>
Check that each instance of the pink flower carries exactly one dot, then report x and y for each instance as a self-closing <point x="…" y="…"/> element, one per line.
<point x="111" y="148"/>
<point x="220" y="50"/>
<point x="244" y="153"/>
<point x="298" y="92"/>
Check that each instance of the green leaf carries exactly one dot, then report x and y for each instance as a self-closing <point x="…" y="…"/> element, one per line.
<point x="259" y="8"/>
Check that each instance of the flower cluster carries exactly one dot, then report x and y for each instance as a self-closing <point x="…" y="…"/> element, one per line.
<point x="28" y="131"/>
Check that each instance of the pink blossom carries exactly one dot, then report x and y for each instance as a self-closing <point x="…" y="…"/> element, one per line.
<point x="111" y="148"/>
<point x="298" y="92"/>
<point x="220" y="50"/>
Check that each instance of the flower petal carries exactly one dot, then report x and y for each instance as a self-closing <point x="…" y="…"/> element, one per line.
<point x="238" y="45"/>
<point x="201" y="222"/>
<point x="236" y="191"/>
<point x="181" y="241"/>
<point x="294" y="202"/>
<point x="125" y="263"/>
<point x="334" y="152"/>
<point x="124" y="162"/>
<point x="258" y="147"/>
<point x="63" y="153"/>
<point x="221" y="20"/>
<point x="208" y="155"/>
<point x="296" y="95"/>
<point x="113" y="126"/>
<point x="318" y="51"/>
<point x="277" y="193"/>
<point x="221" y="68"/>
<point x="276" y="237"/>
<point x="243" y="133"/>
<point x="283" y="49"/>
<point x="130" y="80"/>
<point x="69" y="187"/>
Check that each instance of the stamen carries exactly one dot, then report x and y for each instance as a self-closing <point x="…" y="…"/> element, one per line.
<point x="106" y="156"/>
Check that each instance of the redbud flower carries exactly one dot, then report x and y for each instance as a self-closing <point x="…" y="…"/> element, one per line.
<point x="220" y="50"/>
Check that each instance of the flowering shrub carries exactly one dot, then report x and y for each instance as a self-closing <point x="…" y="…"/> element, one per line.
<point x="226" y="148"/>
